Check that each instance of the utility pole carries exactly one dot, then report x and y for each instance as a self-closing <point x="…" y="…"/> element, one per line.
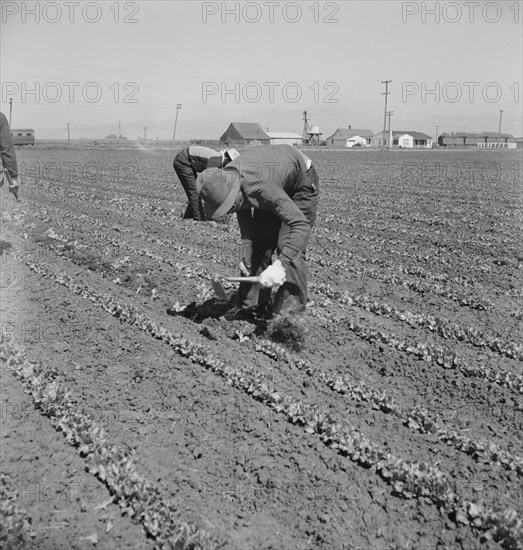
<point x="178" y="107"/>
<point x="436" y="142"/>
<point x="10" y="110"/>
<point x="68" y="134"/>
<point x="389" y="134"/>
<point x="145" y="133"/>
<point x="385" y="93"/>
<point x="119" y="131"/>
<point x="499" y="128"/>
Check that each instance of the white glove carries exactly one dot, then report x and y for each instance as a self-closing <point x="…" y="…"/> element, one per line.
<point x="13" y="188"/>
<point x="274" y="275"/>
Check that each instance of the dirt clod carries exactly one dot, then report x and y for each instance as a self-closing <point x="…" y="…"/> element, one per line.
<point x="288" y="331"/>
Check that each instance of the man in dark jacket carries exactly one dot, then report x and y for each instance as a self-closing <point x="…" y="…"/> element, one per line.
<point x="188" y="164"/>
<point x="274" y="191"/>
<point x="8" y="156"/>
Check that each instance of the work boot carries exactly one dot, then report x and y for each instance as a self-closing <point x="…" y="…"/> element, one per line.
<point x="240" y="314"/>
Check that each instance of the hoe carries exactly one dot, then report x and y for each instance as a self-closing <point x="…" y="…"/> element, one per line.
<point x="222" y="293"/>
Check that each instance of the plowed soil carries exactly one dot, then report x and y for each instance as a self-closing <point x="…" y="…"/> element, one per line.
<point x="234" y="465"/>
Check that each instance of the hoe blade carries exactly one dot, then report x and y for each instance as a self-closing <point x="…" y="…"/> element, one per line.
<point x="219" y="290"/>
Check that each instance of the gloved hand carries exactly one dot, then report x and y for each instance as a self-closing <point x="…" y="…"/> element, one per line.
<point x="246" y="257"/>
<point x="274" y="275"/>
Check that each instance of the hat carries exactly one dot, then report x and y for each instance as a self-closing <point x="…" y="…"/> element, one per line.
<point x="218" y="190"/>
<point x="233" y="154"/>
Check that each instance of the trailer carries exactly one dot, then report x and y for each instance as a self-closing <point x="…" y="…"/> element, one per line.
<point x="25" y="136"/>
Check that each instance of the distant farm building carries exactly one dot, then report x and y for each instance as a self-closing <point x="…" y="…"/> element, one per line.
<point x="285" y="138"/>
<point x="485" y="139"/>
<point x="244" y="133"/>
<point x="24" y="136"/>
<point x="404" y="139"/>
<point x="347" y="137"/>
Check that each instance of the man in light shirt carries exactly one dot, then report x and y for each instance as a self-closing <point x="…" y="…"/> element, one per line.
<point x="188" y="164"/>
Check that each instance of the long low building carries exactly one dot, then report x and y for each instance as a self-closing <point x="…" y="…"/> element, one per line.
<point x="285" y="138"/>
<point x="470" y="139"/>
<point x="23" y="136"/>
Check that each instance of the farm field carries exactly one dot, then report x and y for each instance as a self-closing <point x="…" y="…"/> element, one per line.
<point x="135" y="414"/>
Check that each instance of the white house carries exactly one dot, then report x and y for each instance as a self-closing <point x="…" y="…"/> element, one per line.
<point x="285" y="138"/>
<point x="404" y="139"/>
<point x="348" y="137"/>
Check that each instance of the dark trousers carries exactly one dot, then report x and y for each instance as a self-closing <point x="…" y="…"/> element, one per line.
<point x="187" y="176"/>
<point x="269" y="236"/>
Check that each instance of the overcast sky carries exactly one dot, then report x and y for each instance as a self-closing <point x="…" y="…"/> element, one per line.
<point x="92" y="64"/>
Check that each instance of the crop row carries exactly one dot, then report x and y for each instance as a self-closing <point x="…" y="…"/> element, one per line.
<point x="430" y="213"/>
<point x="454" y="206"/>
<point x="442" y="327"/>
<point x="453" y="209"/>
<point x="410" y="479"/>
<point x="435" y="251"/>
<point x="418" y="418"/>
<point x="503" y="347"/>
<point x="427" y="351"/>
<point x="432" y="254"/>
<point x="135" y="211"/>
<point x="410" y="218"/>
<point x="438" y="325"/>
<point x="460" y="297"/>
<point x="415" y="417"/>
<point x="440" y="355"/>
<point x="144" y="503"/>
<point x="423" y="234"/>
<point x="314" y="257"/>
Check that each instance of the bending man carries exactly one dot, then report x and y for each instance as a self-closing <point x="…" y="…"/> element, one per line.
<point x="188" y="164"/>
<point x="274" y="191"/>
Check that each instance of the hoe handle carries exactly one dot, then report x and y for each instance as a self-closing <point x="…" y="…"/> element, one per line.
<point x="243" y="279"/>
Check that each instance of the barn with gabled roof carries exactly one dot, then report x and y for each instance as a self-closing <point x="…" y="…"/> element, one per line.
<point x="243" y="133"/>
